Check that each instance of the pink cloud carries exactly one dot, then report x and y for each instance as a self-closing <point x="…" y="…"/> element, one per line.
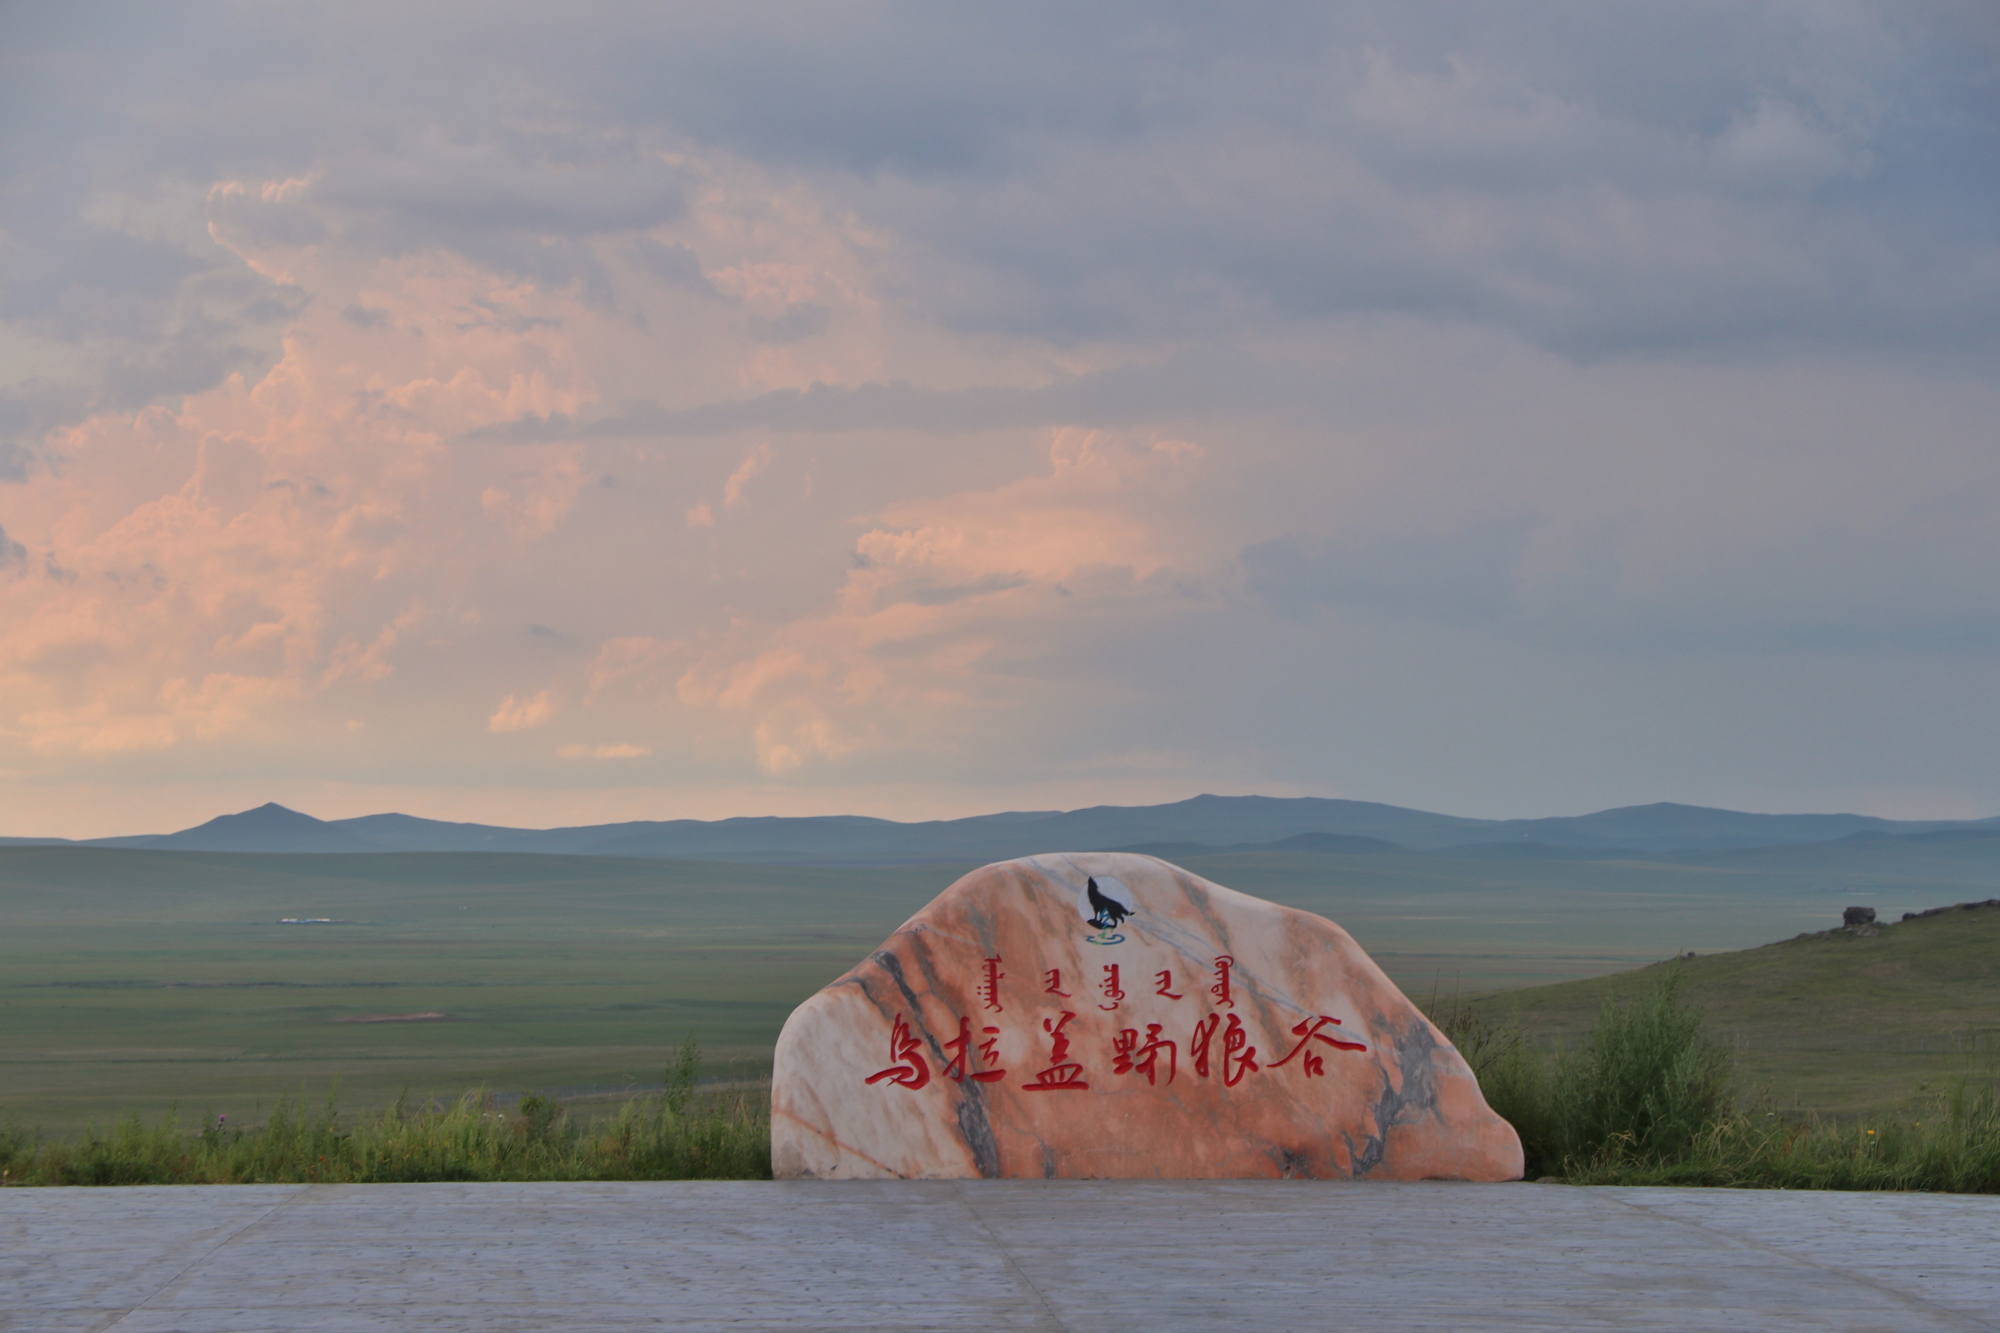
<point x="518" y="714"/>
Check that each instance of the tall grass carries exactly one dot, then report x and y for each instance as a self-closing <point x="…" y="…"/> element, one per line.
<point x="1953" y="1148"/>
<point x="681" y="1134"/>
<point x="1648" y="1101"/>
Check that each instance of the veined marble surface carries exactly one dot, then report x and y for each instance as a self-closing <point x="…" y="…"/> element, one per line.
<point x="936" y="1256"/>
<point x="1107" y="1015"/>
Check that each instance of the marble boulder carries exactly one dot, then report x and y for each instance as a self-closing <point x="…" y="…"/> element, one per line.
<point x="1111" y="1015"/>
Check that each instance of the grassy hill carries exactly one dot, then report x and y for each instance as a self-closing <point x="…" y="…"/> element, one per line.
<point x="1833" y="1021"/>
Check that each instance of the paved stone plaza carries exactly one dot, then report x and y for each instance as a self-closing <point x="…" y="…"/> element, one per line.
<point x="1125" y="1255"/>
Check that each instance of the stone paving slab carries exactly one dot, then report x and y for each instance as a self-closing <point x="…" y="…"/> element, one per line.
<point x="1158" y="1256"/>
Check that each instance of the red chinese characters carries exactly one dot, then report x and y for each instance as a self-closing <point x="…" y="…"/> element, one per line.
<point x="1128" y="1055"/>
<point x="1204" y="1033"/>
<point x="1063" y="1074"/>
<point x="962" y="1044"/>
<point x="1122" y="1046"/>
<point x="907" y="1068"/>
<point x="1110" y="987"/>
<point x="989" y="1051"/>
<point x="1220" y="990"/>
<point x="1308" y="1031"/>
<point x="1239" y="1057"/>
<point x="1218" y="1038"/>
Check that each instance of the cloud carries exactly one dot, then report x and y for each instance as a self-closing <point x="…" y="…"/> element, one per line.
<point x="14" y="461"/>
<point x="1136" y="398"/>
<point x="1467" y="575"/>
<point x="808" y="319"/>
<point x="617" y="751"/>
<point x="753" y="463"/>
<point x="674" y="264"/>
<point x="219" y="704"/>
<point x="350" y="659"/>
<point x="938" y="618"/>
<point x="1179" y="387"/>
<point x="1396" y="168"/>
<point x="533" y="503"/>
<point x="1587" y="235"/>
<point x="523" y="199"/>
<point x="432" y="186"/>
<point x="633" y="659"/>
<point x="267" y="548"/>
<point x="96" y="317"/>
<point x="521" y="714"/>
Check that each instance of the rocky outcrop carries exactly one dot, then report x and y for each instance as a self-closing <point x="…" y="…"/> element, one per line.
<point x="1110" y="1015"/>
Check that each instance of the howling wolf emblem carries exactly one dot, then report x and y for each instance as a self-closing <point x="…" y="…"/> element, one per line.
<point x="1108" y="909"/>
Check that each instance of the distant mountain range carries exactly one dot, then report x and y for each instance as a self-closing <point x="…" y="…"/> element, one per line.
<point x="1204" y="824"/>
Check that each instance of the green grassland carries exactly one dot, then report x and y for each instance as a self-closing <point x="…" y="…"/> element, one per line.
<point x="142" y="980"/>
<point x="137" y="981"/>
<point x="1833" y="1022"/>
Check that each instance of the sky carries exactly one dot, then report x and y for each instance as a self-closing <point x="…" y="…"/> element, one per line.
<point x="563" y="414"/>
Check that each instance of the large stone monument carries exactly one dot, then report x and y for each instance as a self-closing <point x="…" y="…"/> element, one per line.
<point x="1110" y="1015"/>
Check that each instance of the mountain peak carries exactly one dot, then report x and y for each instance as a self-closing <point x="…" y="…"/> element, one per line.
<point x="269" y="827"/>
<point x="268" y="815"/>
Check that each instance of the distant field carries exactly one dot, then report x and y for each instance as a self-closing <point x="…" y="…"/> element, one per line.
<point x="135" y="980"/>
<point x="143" y="979"/>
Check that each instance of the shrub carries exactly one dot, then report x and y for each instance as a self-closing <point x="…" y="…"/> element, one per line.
<point x="1516" y="1079"/>
<point x="17" y="1147"/>
<point x="1650" y="1082"/>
